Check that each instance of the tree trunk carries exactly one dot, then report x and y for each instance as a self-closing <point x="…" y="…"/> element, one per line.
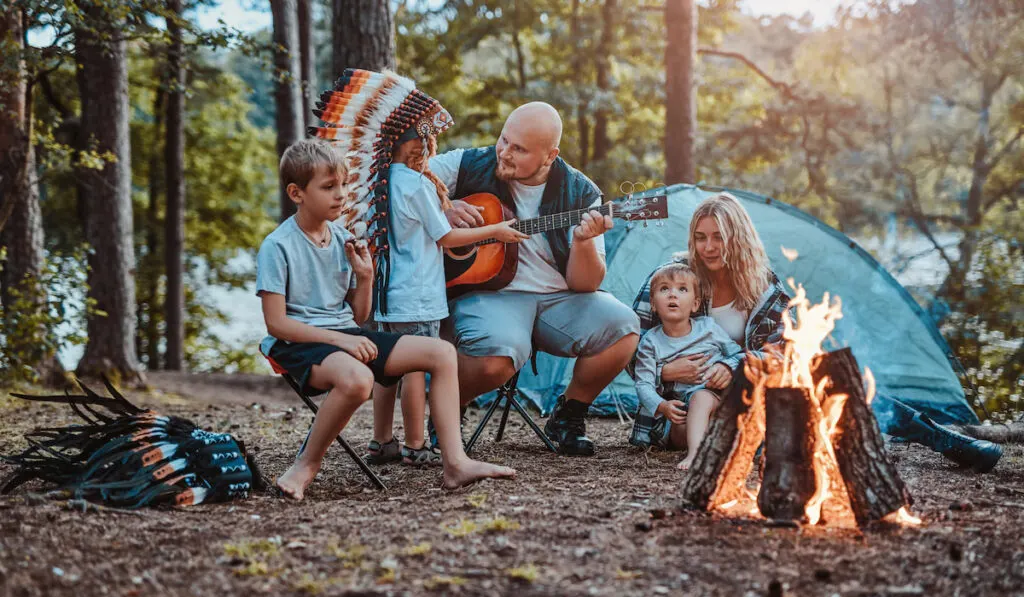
<point x="680" y="91"/>
<point x="23" y="233"/>
<point x="102" y="75"/>
<point x="307" y="53"/>
<point x="788" y="482"/>
<point x="153" y="251"/>
<point x="872" y="482"/>
<point x="15" y="146"/>
<point x="602" y="144"/>
<point x="174" y="219"/>
<point x="288" y="86"/>
<point x="582" y="122"/>
<point x="363" y="35"/>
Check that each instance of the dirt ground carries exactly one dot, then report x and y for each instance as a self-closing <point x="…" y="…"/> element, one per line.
<point x="607" y="525"/>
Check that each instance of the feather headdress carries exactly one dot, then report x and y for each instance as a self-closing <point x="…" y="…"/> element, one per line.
<point x="368" y="115"/>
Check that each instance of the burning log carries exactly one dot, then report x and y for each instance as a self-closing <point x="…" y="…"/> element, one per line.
<point x="871" y="480"/>
<point x="789" y="480"/>
<point x="725" y="456"/>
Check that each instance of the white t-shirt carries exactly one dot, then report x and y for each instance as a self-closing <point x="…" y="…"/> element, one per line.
<point x="537" y="271"/>
<point x="416" y="290"/>
<point x="732" y="320"/>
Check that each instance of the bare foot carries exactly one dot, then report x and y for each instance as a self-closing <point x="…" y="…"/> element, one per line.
<point x="296" y="479"/>
<point x="685" y="464"/>
<point x="470" y="471"/>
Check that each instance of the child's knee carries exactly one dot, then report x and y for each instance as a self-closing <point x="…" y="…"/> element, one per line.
<point x="357" y="384"/>
<point x="443" y="354"/>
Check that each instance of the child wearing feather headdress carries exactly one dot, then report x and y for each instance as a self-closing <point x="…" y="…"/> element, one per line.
<point x="389" y="129"/>
<point x="314" y="280"/>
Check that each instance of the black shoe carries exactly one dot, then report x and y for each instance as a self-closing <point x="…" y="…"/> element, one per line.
<point x="978" y="454"/>
<point x="567" y="428"/>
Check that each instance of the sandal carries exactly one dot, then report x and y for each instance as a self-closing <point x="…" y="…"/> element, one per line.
<point x="425" y="456"/>
<point x="378" y="453"/>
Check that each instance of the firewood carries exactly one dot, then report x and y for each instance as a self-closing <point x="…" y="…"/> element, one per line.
<point x="1005" y="433"/>
<point x="725" y="456"/>
<point x="872" y="482"/>
<point x="789" y="481"/>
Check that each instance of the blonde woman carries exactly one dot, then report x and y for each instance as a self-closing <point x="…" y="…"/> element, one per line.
<point x="746" y="298"/>
<point x="742" y="295"/>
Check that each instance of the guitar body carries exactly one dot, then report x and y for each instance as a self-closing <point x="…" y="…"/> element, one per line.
<point x="483" y="267"/>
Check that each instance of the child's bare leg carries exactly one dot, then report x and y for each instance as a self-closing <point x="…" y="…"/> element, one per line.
<point x="383" y="413"/>
<point x="702" y="403"/>
<point x="414" y="408"/>
<point x="437" y="357"/>
<point x="351" y="384"/>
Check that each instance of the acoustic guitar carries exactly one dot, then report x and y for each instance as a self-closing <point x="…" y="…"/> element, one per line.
<point x="491" y="265"/>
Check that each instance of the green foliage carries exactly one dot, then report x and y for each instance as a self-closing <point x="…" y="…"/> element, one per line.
<point x="42" y="316"/>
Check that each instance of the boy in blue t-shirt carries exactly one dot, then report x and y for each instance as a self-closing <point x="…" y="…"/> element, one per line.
<point x="315" y="283"/>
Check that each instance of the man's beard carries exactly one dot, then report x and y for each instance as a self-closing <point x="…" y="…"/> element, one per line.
<point x="508" y="173"/>
<point x="504" y="173"/>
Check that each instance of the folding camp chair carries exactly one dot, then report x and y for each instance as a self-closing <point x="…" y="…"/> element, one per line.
<point x="509" y="392"/>
<point x="312" y="406"/>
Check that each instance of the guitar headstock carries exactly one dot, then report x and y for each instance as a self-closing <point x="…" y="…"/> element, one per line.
<point x="649" y="205"/>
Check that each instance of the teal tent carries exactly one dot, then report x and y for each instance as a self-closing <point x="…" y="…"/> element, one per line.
<point x="886" y="329"/>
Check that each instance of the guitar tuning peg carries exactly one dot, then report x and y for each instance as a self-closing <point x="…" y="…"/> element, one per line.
<point x="645" y="223"/>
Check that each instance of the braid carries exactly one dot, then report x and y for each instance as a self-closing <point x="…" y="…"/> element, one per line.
<point x="419" y="162"/>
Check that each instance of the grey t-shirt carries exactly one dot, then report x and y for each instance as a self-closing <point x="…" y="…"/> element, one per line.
<point x="657" y="348"/>
<point x="314" y="280"/>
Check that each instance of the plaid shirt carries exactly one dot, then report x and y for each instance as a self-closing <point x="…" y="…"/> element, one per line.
<point x="764" y="326"/>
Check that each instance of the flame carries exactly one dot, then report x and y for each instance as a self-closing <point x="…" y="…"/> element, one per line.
<point x="790" y="254"/>
<point x="904" y="517"/>
<point x="869" y="381"/>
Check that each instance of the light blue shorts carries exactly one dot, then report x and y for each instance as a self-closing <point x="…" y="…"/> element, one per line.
<point x="511" y="324"/>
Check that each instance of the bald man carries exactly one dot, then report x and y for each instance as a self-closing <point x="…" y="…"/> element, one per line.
<point x="553" y="302"/>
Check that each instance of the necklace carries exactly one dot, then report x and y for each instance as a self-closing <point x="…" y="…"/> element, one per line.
<point x="322" y="242"/>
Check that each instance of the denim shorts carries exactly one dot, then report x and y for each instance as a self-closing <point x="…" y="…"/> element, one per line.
<point x="427" y="329"/>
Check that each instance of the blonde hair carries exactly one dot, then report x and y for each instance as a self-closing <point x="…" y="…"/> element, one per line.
<point x="301" y="160"/>
<point x="418" y="162"/>
<point x="745" y="259"/>
<point x="677" y="270"/>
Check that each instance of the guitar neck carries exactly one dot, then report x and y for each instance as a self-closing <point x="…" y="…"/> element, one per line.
<point x="555" y="221"/>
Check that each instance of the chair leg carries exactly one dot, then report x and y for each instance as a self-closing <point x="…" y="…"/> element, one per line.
<point x="344" y="444"/>
<point x="504" y="416"/>
<point x="533" y="425"/>
<point x="483" y="423"/>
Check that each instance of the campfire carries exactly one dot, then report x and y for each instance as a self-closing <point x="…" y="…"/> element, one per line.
<point x="823" y="457"/>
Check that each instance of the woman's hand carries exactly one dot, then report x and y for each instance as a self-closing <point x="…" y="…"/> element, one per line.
<point x="689" y="369"/>
<point x="674" y="411"/>
<point x="718" y="377"/>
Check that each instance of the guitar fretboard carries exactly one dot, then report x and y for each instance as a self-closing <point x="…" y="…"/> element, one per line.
<point x="554" y="221"/>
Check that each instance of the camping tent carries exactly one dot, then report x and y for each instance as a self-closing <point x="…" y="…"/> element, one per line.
<point x="886" y="329"/>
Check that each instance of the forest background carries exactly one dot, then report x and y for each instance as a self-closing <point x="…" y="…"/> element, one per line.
<point x="138" y="147"/>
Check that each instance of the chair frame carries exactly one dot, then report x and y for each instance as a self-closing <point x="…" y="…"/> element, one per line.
<point x="372" y="476"/>
<point x="509" y="392"/>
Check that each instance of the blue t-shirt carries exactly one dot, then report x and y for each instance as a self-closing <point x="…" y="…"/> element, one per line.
<point x="314" y="280"/>
<point x="416" y="290"/>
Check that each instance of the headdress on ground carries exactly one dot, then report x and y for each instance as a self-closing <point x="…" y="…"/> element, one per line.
<point x="129" y="457"/>
<point x="369" y="114"/>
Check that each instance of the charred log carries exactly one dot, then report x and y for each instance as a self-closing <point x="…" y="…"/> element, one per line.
<point x="872" y="482"/>
<point x="789" y="481"/>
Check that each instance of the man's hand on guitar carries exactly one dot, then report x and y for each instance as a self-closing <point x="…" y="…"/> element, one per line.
<point x="464" y="215"/>
<point x="504" y="232"/>
<point x="592" y="225"/>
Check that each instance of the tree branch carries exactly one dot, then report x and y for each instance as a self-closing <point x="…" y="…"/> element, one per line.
<point x="785" y="88"/>
<point x="992" y="163"/>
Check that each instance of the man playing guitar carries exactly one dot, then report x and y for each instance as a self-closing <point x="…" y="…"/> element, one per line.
<point x="553" y="302"/>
